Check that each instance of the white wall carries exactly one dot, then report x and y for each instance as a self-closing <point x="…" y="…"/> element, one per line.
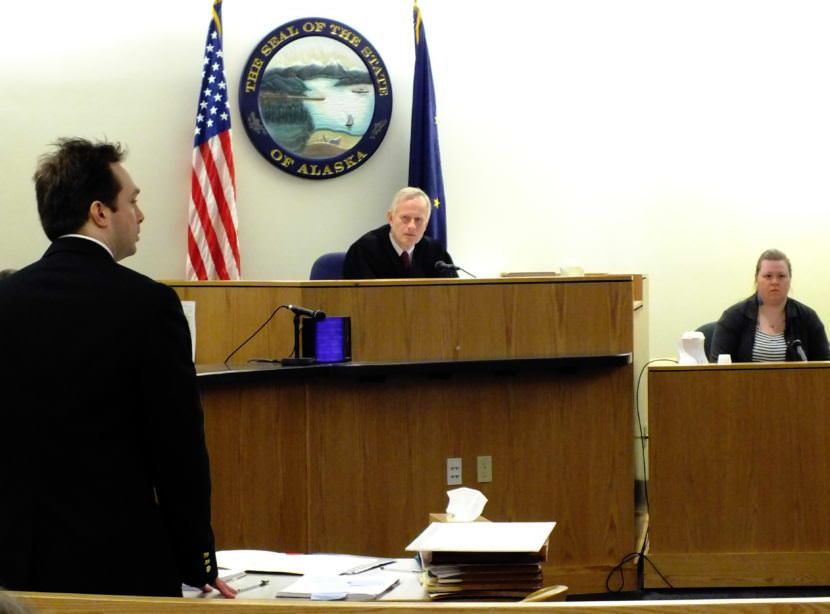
<point x="678" y="138"/>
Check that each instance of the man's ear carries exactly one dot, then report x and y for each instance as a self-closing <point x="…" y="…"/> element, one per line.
<point x="99" y="214"/>
<point x="388" y="217"/>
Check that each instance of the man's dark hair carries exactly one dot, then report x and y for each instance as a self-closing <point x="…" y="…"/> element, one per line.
<point x="70" y="179"/>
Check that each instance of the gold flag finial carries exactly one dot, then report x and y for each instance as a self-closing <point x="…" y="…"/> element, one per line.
<point x="417" y="22"/>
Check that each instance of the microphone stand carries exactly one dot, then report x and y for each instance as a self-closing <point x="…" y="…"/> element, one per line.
<point x="443" y="266"/>
<point x="296" y="360"/>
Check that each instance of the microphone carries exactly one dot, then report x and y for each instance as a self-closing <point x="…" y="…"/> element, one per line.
<point x="799" y="349"/>
<point x="314" y="314"/>
<point x="443" y="266"/>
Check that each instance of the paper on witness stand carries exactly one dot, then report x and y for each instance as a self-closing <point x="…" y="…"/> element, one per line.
<point x="189" y="308"/>
<point x="299" y="564"/>
<point x="482" y="537"/>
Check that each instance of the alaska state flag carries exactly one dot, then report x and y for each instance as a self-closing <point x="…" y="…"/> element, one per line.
<point x="424" y="155"/>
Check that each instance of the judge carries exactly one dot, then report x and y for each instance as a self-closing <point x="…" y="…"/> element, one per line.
<point x="399" y="248"/>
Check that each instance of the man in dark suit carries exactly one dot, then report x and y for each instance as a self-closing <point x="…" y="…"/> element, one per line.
<point x="399" y="248"/>
<point x="106" y="482"/>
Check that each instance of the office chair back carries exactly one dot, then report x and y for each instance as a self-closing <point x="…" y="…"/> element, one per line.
<point x="328" y="266"/>
<point x="708" y="331"/>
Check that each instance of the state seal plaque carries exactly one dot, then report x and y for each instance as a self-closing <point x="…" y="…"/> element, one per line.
<point x="315" y="98"/>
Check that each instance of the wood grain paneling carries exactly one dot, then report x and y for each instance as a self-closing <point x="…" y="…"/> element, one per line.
<point x="740" y="466"/>
<point x="375" y="460"/>
<point x="256" y="436"/>
<point x="339" y="463"/>
<point x="706" y="570"/>
<point x="422" y="319"/>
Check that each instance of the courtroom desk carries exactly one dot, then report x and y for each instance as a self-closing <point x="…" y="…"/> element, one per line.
<point x="423" y="319"/>
<point x="351" y="458"/>
<point x="740" y="474"/>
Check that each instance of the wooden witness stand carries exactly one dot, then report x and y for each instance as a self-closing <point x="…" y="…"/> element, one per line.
<point x="740" y="475"/>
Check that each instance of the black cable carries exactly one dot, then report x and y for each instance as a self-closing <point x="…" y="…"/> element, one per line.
<point x="640" y="428"/>
<point x="618" y="569"/>
<point x="659" y="573"/>
<point x="640" y="566"/>
<point x="640" y="556"/>
<point x="241" y="345"/>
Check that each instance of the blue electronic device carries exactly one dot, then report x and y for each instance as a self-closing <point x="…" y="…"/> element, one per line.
<point x="328" y="340"/>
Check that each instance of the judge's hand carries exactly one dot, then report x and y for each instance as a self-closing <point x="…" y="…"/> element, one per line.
<point x="223" y="587"/>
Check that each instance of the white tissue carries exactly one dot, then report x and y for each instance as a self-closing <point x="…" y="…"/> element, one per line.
<point x="690" y="349"/>
<point x="466" y="504"/>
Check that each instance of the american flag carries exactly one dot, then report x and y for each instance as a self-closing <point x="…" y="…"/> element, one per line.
<point x="212" y="247"/>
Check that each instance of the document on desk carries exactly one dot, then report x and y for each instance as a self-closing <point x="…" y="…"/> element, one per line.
<point x="265" y="561"/>
<point x="359" y="587"/>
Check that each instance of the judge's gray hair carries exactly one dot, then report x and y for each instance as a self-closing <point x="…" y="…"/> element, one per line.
<point x="408" y="193"/>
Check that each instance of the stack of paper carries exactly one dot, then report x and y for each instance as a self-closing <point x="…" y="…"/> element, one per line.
<point x="489" y="560"/>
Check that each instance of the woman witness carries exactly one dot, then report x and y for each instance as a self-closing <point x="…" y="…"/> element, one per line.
<point x="769" y="326"/>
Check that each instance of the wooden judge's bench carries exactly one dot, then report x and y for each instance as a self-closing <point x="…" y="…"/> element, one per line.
<point x="535" y="372"/>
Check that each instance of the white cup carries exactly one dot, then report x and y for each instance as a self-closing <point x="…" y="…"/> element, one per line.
<point x="724" y="359"/>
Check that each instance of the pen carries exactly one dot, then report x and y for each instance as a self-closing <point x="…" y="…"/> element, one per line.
<point x="367" y="567"/>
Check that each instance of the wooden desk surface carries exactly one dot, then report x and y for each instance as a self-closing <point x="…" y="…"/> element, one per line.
<point x="54" y="603"/>
<point x="435" y="368"/>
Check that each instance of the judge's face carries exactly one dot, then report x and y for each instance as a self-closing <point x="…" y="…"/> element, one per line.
<point x="408" y="221"/>
<point x="773" y="281"/>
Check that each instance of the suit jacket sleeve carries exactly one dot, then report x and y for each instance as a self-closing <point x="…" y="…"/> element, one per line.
<point x="174" y="426"/>
<point x="819" y="348"/>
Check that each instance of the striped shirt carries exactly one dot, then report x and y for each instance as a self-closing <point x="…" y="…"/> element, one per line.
<point x="769" y="348"/>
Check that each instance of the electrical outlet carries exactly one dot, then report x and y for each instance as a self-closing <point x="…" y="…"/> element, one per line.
<point x="453" y="471"/>
<point x="484" y="468"/>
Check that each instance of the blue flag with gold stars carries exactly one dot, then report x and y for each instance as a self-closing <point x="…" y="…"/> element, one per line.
<point x="424" y="154"/>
